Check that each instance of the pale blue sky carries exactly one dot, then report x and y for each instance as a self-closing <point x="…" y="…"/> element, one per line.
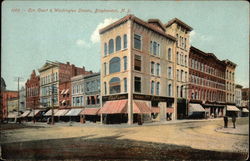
<point x="31" y="38"/>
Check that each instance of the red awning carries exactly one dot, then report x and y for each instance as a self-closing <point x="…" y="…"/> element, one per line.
<point x="114" y="107"/>
<point x="90" y="111"/>
<point x="140" y="107"/>
<point x="155" y="109"/>
<point x="170" y="110"/>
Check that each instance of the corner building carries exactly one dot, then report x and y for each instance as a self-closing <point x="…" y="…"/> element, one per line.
<point x="138" y="69"/>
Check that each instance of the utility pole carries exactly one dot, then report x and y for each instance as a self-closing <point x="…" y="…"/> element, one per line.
<point x="18" y="80"/>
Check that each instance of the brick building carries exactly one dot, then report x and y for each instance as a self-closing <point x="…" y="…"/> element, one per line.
<point x="7" y="94"/>
<point x="207" y="81"/>
<point x="32" y="91"/>
<point x="65" y="94"/>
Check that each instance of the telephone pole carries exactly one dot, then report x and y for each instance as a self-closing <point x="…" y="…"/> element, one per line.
<point x="18" y="79"/>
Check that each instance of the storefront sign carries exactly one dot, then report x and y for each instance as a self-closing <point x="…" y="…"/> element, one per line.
<point x="152" y="98"/>
<point x="114" y="97"/>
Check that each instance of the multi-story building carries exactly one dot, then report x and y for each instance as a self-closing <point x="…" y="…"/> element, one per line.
<point x="181" y="31"/>
<point x="51" y="75"/>
<point x="207" y="81"/>
<point x="33" y="91"/>
<point x="139" y="65"/>
<point x="238" y="95"/>
<point x="230" y="80"/>
<point x="77" y="90"/>
<point x="22" y="99"/>
<point x="7" y="94"/>
<point x="65" y="94"/>
<point x="92" y="90"/>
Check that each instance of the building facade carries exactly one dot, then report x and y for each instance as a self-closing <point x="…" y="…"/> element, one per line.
<point x="12" y="104"/>
<point x="78" y="97"/>
<point x="139" y="63"/>
<point x="51" y="75"/>
<point x="32" y="87"/>
<point x="65" y="94"/>
<point x="238" y="95"/>
<point x="6" y="95"/>
<point x="22" y="99"/>
<point x="92" y="90"/>
<point x="245" y="97"/>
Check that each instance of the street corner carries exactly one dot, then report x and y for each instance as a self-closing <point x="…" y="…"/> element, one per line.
<point x="238" y="130"/>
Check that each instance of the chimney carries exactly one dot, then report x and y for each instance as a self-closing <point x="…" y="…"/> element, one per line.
<point x="67" y="63"/>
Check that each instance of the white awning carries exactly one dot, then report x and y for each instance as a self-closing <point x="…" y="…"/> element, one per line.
<point x="62" y="91"/>
<point x="74" y="112"/>
<point x="66" y="91"/>
<point x="32" y="113"/>
<point x="195" y="108"/>
<point x="49" y="113"/>
<point x="12" y="114"/>
<point x="63" y="101"/>
<point x="232" y="108"/>
<point x="61" y="112"/>
<point x="245" y="110"/>
<point x="26" y="113"/>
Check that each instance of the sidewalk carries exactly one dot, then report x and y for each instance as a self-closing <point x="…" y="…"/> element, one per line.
<point x="239" y="130"/>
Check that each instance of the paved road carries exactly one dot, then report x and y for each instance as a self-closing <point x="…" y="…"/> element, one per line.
<point x="183" y="140"/>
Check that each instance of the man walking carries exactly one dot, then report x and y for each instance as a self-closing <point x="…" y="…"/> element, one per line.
<point x="234" y="120"/>
<point x="225" y="121"/>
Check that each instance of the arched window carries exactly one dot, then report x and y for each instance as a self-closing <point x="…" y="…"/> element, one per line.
<point x="125" y="84"/>
<point x="125" y="41"/>
<point x="158" y="88"/>
<point x="114" y="65"/>
<point x="152" y="67"/>
<point x="111" y="46"/>
<point x="125" y="62"/>
<point x="152" y="87"/>
<point x="118" y="43"/>
<point x="105" y="88"/>
<point x="177" y="58"/>
<point x="169" y="54"/>
<point x="114" y="85"/>
<point x="181" y="93"/>
<point x="170" y="90"/>
<point x="105" y="49"/>
<point x="178" y="91"/>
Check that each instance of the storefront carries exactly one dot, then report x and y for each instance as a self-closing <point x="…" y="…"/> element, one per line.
<point x="60" y="115"/>
<point x="74" y="114"/>
<point x="232" y="110"/>
<point x="196" y="111"/>
<point x="90" y="114"/>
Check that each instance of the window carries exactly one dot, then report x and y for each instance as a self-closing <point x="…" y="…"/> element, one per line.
<point x="154" y="48"/>
<point x="186" y="77"/>
<point x="158" y="88"/>
<point x="178" y="77"/>
<point x="118" y="43"/>
<point x="152" y="87"/>
<point x="111" y="46"/>
<point x="151" y="47"/>
<point x="158" y="69"/>
<point x="105" y="49"/>
<point x="125" y="41"/>
<point x="181" y="79"/>
<point x="170" y="90"/>
<point x="137" y="62"/>
<point x="169" y="54"/>
<point x="169" y="73"/>
<point x="177" y="90"/>
<point x="137" y="84"/>
<point x="125" y="62"/>
<point x="125" y="84"/>
<point x="152" y="67"/>
<point x="185" y="43"/>
<point x="185" y="63"/>
<point x="177" y="57"/>
<point x="114" y="65"/>
<point x="105" y="68"/>
<point x="114" y="85"/>
<point x="177" y="37"/>
<point x="181" y="92"/>
<point x="137" y="41"/>
<point x="105" y="88"/>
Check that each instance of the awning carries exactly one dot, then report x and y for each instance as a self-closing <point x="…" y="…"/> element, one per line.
<point x="155" y="109"/>
<point x="66" y="91"/>
<point x="61" y="112"/>
<point x="12" y="115"/>
<point x="49" y="113"/>
<point x="114" y="107"/>
<point x="245" y="110"/>
<point x="170" y="110"/>
<point x="194" y="107"/>
<point x="62" y="91"/>
<point x="74" y="112"/>
<point x="63" y="101"/>
<point x="25" y="114"/>
<point x="232" y="108"/>
<point x="140" y="107"/>
<point x="90" y="111"/>
<point x="33" y="112"/>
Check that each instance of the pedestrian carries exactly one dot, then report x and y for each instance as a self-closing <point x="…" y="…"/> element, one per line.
<point x="225" y="121"/>
<point x="234" y="120"/>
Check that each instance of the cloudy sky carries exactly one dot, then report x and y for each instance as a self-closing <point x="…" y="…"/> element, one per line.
<point x="33" y="32"/>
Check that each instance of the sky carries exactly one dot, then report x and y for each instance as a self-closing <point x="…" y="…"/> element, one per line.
<point x="36" y="31"/>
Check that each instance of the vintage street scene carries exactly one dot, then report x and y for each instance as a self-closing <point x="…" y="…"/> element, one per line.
<point x="108" y="80"/>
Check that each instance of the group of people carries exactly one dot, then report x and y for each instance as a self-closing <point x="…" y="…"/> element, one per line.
<point x="226" y="121"/>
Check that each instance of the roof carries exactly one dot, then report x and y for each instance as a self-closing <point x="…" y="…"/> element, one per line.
<point x="92" y="75"/>
<point x="138" y="21"/>
<point x="158" y="22"/>
<point x="183" y="24"/>
<point x="229" y="63"/>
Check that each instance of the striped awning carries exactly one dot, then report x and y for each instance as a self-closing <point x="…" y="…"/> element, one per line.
<point x="32" y="113"/>
<point x="74" y="112"/>
<point x="155" y="109"/>
<point x="114" y="107"/>
<point x="61" y="112"/>
<point x="62" y="91"/>
<point x="140" y="107"/>
<point x="195" y="107"/>
<point x="232" y="108"/>
<point x="25" y="114"/>
<point x="49" y="113"/>
<point x="245" y="110"/>
<point x="90" y="111"/>
<point x="67" y="90"/>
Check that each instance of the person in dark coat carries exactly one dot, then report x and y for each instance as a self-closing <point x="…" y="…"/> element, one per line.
<point x="225" y="121"/>
<point x="234" y="120"/>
